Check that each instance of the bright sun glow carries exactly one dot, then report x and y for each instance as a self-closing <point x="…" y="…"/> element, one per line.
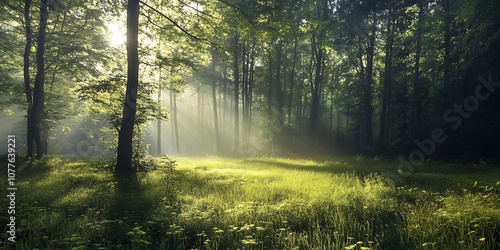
<point x="117" y="34"/>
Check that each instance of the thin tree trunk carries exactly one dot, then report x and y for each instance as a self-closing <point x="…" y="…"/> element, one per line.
<point x="387" y="89"/>
<point x="277" y="84"/>
<point x="270" y="118"/>
<point x="124" y="152"/>
<point x="244" y="88"/>
<point x="369" y="85"/>
<point x="331" y="113"/>
<point x="416" y="98"/>
<point x="225" y="107"/>
<point x="338" y="115"/>
<point x="250" y="91"/>
<point x="158" y="131"/>
<point x="214" y="100"/>
<point x="200" y="113"/>
<point x="236" y="94"/>
<point x="176" y="124"/>
<point x="361" y="115"/>
<point x="171" y="99"/>
<point x="292" y="77"/>
<point x="447" y="49"/>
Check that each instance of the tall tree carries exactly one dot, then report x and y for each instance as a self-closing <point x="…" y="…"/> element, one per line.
<point x="292" y="81"/>
<point x="416" y="111"/>
<point x="26" y="72"/>
<point x="387" y="86"/>
<point x="37" y="112"/>
<point x="214" y="100"/>
<point x="447" y="88"/>
<point x="236" y="74"/>
<point x="318" y="59"/>
<point x="368" y="91"/>
<point x="124" y="152"/>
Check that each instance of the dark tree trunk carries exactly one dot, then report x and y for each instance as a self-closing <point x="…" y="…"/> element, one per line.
<point x="248" y="76"/>
<point x="368" y="96"/>
<point x="316" y="84"/>
<point x="37" y="112"/>
<point x="331" y="113"/>
<point x="27" y="84"/>
<point x="416" y="96"/>
<point x="292" y="77"/>
<point x="337" y="111"/>
<point x="277" y="85"/>
<point x="250" y="90"/>
<point x="360" y="129"/>
<point x="125" y="136"/>
<point x="270" y="117"/>
<point x="447" y="89"/>
<point x="387" y="89"/>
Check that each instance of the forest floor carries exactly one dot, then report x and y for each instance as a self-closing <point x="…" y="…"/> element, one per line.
<point x="256" y="203"/>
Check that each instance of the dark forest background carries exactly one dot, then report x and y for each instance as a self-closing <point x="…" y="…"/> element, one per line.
<point x="256" y="77"/>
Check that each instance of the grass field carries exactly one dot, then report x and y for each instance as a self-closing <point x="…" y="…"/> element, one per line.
<point x="257" y="203"/>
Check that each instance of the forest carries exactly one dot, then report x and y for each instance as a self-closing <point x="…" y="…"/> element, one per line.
<point x="267" y="124"/>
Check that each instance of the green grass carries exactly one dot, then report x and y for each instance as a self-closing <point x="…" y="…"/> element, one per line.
<point x="257" y="203"/>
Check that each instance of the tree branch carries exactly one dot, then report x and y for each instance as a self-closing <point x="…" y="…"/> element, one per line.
<point x="238" y="9"/>
<point x="179" y="27"/>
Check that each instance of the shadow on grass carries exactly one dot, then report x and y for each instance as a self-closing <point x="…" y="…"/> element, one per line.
<point x="129" y="201"/>
<point x="127" y="212"/>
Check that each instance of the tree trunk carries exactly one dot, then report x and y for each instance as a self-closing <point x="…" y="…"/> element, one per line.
<point x="176" y="123"/>
<point x="171" y="100"/>
<point x="37" y="113"/>
<point x="270" y="118"/>
<point x="236" y="94"/>
<point x="124" y="152"/>
<point x="331" y="113"/>
<point x="337" y="111"/>
<point x="317" y="54"/>
<point x="158" y="129"/>
<point x="277" y="85"/>
<point x="292" y="77"/>
<point x="368" y="133"/>
<point x="214" y="100"/>
<point x="416" y="98"/>
<point x="244" y="88"/>
<point x="27" y="84"/>
<point x="447" y="88"/>
<point x="250" y="90"/>
<point x="387" y="89"/>
<point x="200" y="112"/>
<point x="225" y="107"/>
<point x="360" y="129"/>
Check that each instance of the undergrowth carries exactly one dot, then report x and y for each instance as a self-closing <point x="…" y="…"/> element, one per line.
<point x="260" y="203"/>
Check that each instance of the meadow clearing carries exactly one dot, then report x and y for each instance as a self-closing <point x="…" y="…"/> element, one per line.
<point x="256" y="203"/>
